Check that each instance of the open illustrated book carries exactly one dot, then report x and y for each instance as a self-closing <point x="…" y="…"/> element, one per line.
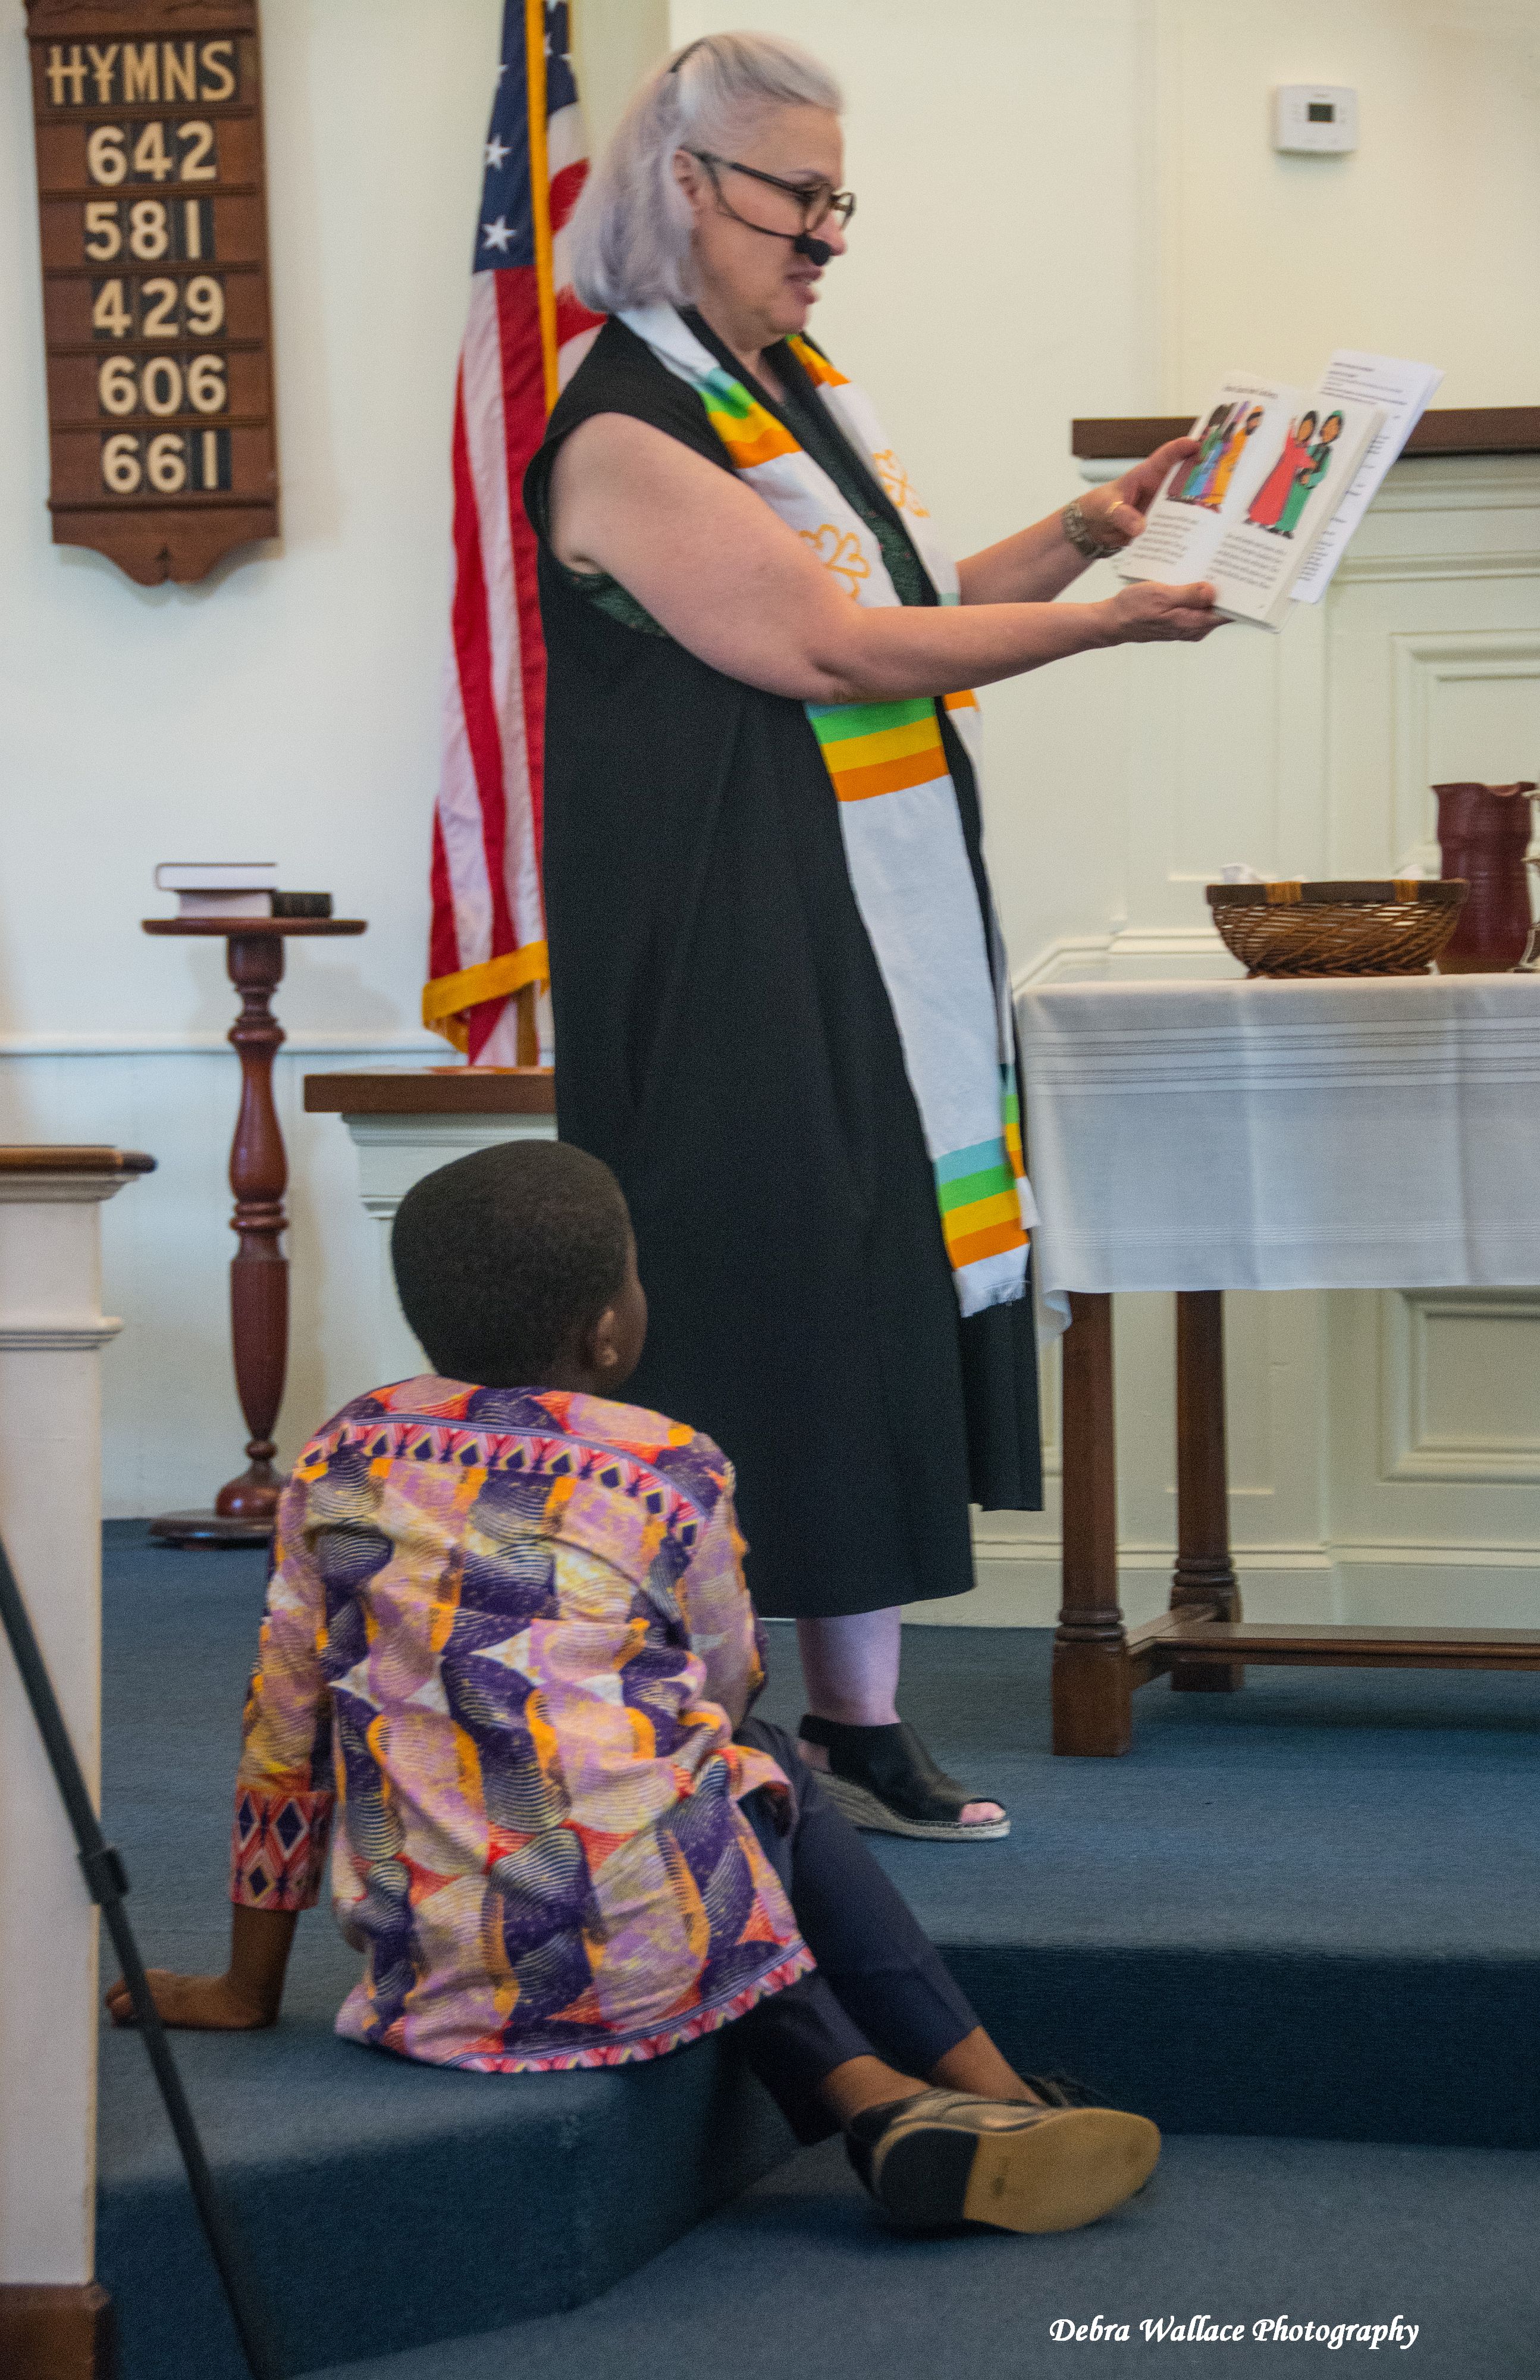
<point x="1280" y="479"/>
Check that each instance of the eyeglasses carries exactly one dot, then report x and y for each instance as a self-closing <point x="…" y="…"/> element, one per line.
<point x="814" y="200"/>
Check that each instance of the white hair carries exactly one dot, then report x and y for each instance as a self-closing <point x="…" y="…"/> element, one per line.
<point x="630" y="230"/>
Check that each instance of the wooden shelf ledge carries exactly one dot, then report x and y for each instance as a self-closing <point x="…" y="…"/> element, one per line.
<point x="1339" y="1647"/>
<point x="1457" y="429"/>
<point x="434" y="1090"/>
<point x="238" y="929"/>
<point x="37" y="1156"/>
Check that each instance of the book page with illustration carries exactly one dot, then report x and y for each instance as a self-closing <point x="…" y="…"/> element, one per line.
<point x="1272" y="467"/>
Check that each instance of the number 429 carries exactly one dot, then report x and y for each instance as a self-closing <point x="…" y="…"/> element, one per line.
<point x="167" y="307"/>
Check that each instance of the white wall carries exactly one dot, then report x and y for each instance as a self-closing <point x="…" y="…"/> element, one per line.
<point x="285" y="708"/>
<point x="1065" y="209"/>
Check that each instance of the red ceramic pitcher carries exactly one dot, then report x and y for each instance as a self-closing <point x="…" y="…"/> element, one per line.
<point x="1484" y="833"/>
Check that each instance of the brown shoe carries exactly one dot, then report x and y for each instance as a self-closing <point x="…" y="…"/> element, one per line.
<point x="945" y="2157"/>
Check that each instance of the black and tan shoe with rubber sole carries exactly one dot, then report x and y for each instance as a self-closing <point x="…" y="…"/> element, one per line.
<point x="946" y="2157"/>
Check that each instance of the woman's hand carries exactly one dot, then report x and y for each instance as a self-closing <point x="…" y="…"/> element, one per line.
<point x="1148" y="613"/>
<point x="1116" y="512"/>
<point x="195" y="2003"/>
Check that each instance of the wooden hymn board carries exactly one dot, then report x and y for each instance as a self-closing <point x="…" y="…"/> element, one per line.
<point x="152" y="198"/>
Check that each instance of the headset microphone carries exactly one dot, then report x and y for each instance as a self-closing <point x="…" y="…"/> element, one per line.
<point x="817" y="251"/>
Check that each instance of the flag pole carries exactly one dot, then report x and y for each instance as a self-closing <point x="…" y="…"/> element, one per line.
<point x="526" y="1010"/>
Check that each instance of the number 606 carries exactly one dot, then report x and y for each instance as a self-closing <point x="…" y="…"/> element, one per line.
<point x="163" y="385"/>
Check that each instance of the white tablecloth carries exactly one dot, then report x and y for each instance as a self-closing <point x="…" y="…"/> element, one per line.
<point x="1348" y="1133"/>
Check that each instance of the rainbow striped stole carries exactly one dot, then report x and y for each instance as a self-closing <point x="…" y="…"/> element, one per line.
<point x="880" y="747"/>
<point x="871" y="748"/>
<point x="978" y="1190"/>
<point x="750" y="434"/>
<point x="941" y="960"/>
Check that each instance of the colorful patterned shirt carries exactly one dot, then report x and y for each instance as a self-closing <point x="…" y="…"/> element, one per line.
<point x="507" y="1631"/>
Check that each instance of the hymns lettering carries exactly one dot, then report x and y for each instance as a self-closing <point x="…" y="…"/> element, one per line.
<point x="156" y="74"/>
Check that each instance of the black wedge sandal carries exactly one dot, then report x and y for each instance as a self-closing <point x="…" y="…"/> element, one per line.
<point x="884" y="1779"/>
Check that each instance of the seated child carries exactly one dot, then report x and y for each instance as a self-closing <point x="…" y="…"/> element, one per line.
<point x="509" y="1644"/>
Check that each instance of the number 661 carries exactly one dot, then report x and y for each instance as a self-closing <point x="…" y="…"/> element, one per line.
<point x="170" y="462"/>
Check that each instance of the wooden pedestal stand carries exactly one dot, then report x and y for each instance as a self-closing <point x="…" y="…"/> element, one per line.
<point x="244" y="1508"/>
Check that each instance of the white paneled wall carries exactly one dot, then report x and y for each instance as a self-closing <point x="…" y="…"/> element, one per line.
<point x="1064" y="209"/>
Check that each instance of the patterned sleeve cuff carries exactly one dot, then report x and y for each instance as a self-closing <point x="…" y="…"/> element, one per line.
<point x="278" y="1847"/>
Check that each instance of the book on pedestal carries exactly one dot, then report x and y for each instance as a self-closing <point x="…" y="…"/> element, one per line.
<point x="253" y="905"/>
<point x="234" y="888"/>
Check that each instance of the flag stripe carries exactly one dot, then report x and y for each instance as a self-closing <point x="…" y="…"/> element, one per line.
<point x="443" y="951"/>
<point x="564" y="187"/>
<point x="468" y="923"/>
<point x="487" y="432"/>
<point x="473" y="644"/>
<point x="524" y="417"/>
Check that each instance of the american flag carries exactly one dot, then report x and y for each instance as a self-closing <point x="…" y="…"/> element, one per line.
<point x="526" y="336"/>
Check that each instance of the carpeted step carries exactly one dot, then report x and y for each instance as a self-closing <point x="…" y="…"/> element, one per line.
<point x="800" y="2276"/>
<point x="1307" y="1909"/>
<point x="386" y="2203"/>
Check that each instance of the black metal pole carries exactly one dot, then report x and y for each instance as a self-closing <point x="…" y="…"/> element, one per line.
<point x="107" y="1882"/>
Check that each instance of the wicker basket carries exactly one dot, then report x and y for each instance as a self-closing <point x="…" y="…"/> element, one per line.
<point x="1389" y="928"/>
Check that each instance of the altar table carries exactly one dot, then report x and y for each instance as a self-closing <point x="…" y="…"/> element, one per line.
<point x="1353" y="1132"/>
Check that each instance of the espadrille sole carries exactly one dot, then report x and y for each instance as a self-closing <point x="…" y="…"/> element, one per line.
<point x="863" y="1809"/>
<point x="1069" y="2168"/>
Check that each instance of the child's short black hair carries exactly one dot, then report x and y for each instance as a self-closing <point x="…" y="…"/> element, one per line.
<point x="505" y="1257"/>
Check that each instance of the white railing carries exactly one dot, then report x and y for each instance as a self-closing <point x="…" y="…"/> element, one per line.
<point x="51" y="1332"/>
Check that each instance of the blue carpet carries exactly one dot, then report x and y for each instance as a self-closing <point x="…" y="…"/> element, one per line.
<point x="798" y="2279"/>
<point x="1309" y="1909"/>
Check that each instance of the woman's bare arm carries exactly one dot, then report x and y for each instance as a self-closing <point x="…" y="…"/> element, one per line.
<point x="1039" y="563"/>
<point x="743" y="594"/>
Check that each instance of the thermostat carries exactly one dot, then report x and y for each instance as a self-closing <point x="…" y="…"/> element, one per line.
<point x="1315" y="118"/>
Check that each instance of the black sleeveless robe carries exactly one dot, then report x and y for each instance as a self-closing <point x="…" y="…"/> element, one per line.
<point x="725" y="1043"/>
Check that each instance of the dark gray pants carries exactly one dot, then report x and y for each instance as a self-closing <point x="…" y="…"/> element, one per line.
<point x="881" y="1988"/>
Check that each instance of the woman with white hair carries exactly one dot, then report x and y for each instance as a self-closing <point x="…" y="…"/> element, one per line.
<point x="782" y="1002"/>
